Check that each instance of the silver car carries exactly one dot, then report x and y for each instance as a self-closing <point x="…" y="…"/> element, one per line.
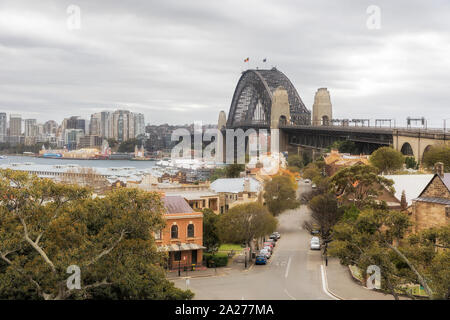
<point x="315" y="243"/>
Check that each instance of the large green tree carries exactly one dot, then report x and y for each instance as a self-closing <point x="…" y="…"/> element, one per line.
<point x="280" y="193"/>
<point x="371" y="239"/>
<point x="245" y="222"/>
<point x="440" y="153"/>
<point x="211" y="238"/>
<point x="359" y="184"/>
<point x="387" y="160"/>
<point x="46" y="227"/>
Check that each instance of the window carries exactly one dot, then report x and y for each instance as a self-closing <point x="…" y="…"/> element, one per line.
<point x="174" y="232"/>
<point x="158" y="235"/>
<point x="190" y="231"/>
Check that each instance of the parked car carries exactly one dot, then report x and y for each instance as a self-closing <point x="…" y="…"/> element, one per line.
<point x="273" y="236"/>
<point x="315" y="243"/>
<point x="267" y="243"/>
<point x="268" y="248"/>
<point x="261" y="259"/>
<point x="307" y="181"/>
<point x="272" y="241"/>
<point x="277" y="234"/>
<point x="266" y="253"/>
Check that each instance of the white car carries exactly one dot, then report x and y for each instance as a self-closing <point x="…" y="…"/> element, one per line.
<point x="268" y="248"/>
<point x="265" y="253"/>
<point x="307" y="181"/>
<point x="315" y="243"/>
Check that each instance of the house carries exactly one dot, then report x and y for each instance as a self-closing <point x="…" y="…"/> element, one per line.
<point x="182" y="237"/>
<point x="411" y="184"/>
<point x="199" y="199"/>
<point x="234" y="191"/>
<point x="335" y="161"/>
<point x="432" y="207"/>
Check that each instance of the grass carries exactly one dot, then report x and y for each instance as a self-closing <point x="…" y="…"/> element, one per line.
<point x="229" y="247"/>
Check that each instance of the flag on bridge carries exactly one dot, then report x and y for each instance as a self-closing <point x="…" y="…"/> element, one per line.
<point x="246" y="60"/>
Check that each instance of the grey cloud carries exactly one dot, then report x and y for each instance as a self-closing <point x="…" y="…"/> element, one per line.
<point x="179" y="61"/>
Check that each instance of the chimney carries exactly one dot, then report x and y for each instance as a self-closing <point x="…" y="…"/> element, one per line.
<point x="439" y="169"/>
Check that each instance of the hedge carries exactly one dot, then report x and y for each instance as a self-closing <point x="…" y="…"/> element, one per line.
<point x="219" y="259"/>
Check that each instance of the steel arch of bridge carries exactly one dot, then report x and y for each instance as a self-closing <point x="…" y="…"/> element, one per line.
<point x="252" y="100"/>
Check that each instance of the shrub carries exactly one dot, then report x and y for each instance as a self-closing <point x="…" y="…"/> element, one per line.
<point x="219" y="259"/>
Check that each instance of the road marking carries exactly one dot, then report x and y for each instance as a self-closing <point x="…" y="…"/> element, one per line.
<point x="285" y="291"/>
<point x="325" y="284"/>
<point x="287" y="268"/>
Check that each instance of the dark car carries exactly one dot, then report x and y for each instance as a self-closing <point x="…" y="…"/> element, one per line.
<point x="261" y="259"/>
<point x="273" y="236"/>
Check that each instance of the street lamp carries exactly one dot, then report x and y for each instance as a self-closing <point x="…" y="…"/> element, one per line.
<point x="179" y="261"/>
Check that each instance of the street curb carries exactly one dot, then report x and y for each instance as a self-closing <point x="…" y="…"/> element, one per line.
<point x="326" y="284"/>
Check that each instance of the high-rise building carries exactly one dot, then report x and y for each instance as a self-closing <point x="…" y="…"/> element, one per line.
<point x="3" y="127"/>
<point x="15" y="125"/>
<point x="75" y="122"/>
<point x="72" y="138"/>
<point x="30" y="127"/>
<point x="122" y="125"/>
<point x="50" y="127"/>
<point x="95" y="124"/>
<point x="139" y="124"/>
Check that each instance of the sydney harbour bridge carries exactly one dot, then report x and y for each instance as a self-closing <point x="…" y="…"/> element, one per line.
<point x="267" y="99"/>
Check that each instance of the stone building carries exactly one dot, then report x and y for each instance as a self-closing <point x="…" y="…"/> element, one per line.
<point x="432" y="207"/>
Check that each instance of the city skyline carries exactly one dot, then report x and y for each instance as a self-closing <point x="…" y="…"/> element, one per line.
<point x="177" y="63"/>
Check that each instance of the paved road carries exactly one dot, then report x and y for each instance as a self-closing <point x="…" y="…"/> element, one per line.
<point x="293" y="272"/>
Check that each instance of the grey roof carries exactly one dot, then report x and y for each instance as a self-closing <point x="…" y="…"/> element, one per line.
<point x="446" y="180"/>
<point x="412" y="184"/>
<point x="433" y="200"/>
<point x="192" y="195"/>
<point x="235" y="185"/>
<point x="176" y="204"/>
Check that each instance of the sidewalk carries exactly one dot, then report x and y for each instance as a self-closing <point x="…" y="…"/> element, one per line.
<point x="206" y="272"/>
<point x="343" y="285"/>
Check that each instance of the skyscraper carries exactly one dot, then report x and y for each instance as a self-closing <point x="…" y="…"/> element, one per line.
<point x="30" y="128"/>
<point x="122" y="125"/>
<point x="139" y="124"/>
<point x="15" y="125"/>
<point x="3" y="127"/>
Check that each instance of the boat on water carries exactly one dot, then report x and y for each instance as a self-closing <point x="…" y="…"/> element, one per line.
<point x="3" y="157"/>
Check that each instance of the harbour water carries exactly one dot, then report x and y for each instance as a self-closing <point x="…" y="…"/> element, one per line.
<point x="81" y="163"/>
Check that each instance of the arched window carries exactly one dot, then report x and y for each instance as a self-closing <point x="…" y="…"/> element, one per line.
<point x="190" y="231"/>
<point x="174" y="232"/>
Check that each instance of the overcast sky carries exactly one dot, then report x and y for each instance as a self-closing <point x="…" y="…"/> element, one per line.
<point x="179" y="61"/>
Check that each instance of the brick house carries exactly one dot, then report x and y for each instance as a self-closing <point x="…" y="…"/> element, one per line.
<point x="182" y="237"/>
<point x="432" y="207"/>
<point x="335" y="161"/>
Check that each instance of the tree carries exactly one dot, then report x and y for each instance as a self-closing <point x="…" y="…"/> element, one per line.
<point x="128" y="146"/>
<point x="370" y="240"/>
<point x="234" y="170"/>
<point x="411" y="163"/>
<point x="359" y="184"/>
<point x="46" y="227"/>
<point x="387" y="160"/>
<point x="344" y="146"/>
<point x="280" y="194"/>
<point x="429" y="252"/>
<point x="211" y="238"/>
<point x="295" y="163"/>
<point x="440" y="153"/>
<point x="245" y="222"/>
<point x="325" y="212"/>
